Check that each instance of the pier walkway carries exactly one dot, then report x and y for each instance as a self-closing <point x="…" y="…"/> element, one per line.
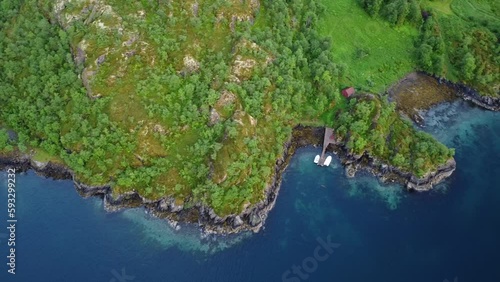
<point x="329" y="138"/>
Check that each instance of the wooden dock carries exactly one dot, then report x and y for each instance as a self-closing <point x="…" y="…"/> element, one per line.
<point x="329" y="138"/>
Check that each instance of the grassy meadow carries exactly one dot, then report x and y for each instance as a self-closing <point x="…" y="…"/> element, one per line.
<point x="375" y="53"/>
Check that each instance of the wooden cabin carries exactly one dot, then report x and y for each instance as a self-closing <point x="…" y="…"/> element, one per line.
<point x="347" y="92"/>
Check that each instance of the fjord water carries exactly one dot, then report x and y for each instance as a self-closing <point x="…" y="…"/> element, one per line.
<point x="378" y="232"/>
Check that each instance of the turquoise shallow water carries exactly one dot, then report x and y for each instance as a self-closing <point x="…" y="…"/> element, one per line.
<point x="377" y="232"/>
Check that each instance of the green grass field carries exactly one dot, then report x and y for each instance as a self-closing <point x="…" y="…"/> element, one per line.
<point x="443" y="6"/>
<point x="375" y="53"/>
<point x="478" y="10"/>
<point x="486" y="12"/>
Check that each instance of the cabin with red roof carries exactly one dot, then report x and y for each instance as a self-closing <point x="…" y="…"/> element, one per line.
<point x="347" y="92"/>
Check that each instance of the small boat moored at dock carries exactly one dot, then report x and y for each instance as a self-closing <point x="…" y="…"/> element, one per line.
<point x="328" y="161"/>
<point x="316" y="159"/>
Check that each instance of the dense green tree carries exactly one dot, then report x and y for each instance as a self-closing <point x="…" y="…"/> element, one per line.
<point x="468" y="66"/>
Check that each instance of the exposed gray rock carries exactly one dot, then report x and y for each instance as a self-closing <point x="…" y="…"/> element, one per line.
<point x="350" y="171"/>
<point x="101" y="59"/>
<point x="80" y="56"/>
<point x="89" y="191"/>
<point x="125" y="200"/>
<point x="38" y="165"/>
<point x="214" y="117"/>
<point x="86" y="78"/>
<point x="418" y="118"/>
<point x="130" y="53"/>
<point x="131" y="41"/>
<point x="237" y="221"/>
<point x="255" y="219"/>
<point x="168" y="204"/>
<point x="190" y="64"/>
<point x="195" y="8"/>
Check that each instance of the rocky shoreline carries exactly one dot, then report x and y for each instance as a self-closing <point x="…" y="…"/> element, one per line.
<point x="388" y="173"/>
<point x="385" y="173"/>
<point x="469" y="94"/>
<point x="419" y="91"/>
<point x="252" y="218"/>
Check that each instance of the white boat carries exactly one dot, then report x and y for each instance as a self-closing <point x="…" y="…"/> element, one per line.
<point x="316" y="159"/>
<point x="328" y="160"/>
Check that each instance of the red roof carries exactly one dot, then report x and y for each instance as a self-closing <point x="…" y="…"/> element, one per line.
<point x="347" y="92"/>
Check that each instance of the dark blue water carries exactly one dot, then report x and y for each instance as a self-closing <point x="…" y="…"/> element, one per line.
<point x="377" y="232"/>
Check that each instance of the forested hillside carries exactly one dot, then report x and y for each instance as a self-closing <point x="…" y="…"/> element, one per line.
<point x="188" y="99"/>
